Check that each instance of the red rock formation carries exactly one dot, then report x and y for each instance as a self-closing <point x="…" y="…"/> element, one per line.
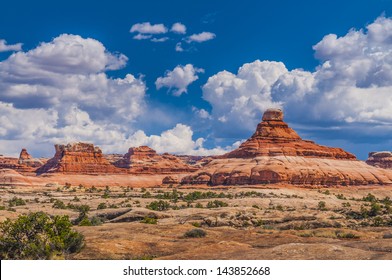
<point x="145" y="160"/>
<point x="10" y="177"/>
<point x="170" y="180"/>
<point x="273" y="137"/>
<point x="24" y="155"/>
<point x="380" y="159"/>
<point x="27" y="160"/>
<point x="275" y="153"/>
<point x="78" y="158"/>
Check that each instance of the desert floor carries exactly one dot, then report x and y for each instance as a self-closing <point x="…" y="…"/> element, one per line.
<point x="240" y="222"/>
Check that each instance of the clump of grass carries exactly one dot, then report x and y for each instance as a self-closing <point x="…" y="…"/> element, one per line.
<point x="195" y="233"/>
<point x="322" y="206"/>
<point x="149" y="220"/>
<point x="58" y="204"/>
<point x="102" y="205"/>
<point x="346" y="235"/>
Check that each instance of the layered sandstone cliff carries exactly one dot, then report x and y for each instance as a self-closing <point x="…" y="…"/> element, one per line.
<point x="275" y="153"/>
<point x="78" y="158"/>
<point x="145" y="160"/>
<point x="380" y="159"/>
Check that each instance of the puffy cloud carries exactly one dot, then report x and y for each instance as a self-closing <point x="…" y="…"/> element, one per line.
<point x="353" y="83"/>
<point x="4" y="47"/>
<point x="59" y="91"/>
<point x="159" y="40"/>
<point x="177" y="140"/>
<point x="201" y="37"/>
<point x="238" y="100"/>
<point x="148" y="28"/>
<point x="142" y="37"/>
<point x="179" y="47"/>
<point x="180" y="78"/>
<point x="179" y="28"/>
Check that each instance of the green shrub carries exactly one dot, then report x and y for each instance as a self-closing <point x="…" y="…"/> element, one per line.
<point x="196" y="224"/>
<point x="322" y="206"/>
<point x="2" y="207"/>
<point x="146" y="195"/>
<point x="375" y="209"/>
<point x="216" y="204"/>
<point x="369" y="198"/>
<point x="38" y="236"/>
<point x="102" y="205"/>
<point x="195" y="233"/>
<point x="16" y="201"/>
<point x="149" y="220"/>
<point x="58" y="204"/>
<point x="158" y="205"/>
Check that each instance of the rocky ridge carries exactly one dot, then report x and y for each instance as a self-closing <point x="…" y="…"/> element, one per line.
<point x="276" y="153"/>
<point x="78" y="158"/>
<point x="145" y="160"/>
<point x="380" y="159"/>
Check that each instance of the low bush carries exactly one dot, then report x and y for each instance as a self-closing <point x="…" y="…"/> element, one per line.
<point x="16" y="201"/>
<point x="39" y="236"/>
<point x="195" y="233"/>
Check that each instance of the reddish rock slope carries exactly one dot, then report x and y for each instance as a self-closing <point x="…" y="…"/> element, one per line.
<point x="145" y="160"/>
<point x="275" y="153"/>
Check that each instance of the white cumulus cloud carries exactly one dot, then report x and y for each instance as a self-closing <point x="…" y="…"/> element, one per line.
<point x="148" y="28"/>
<point x="4" y="47"/>
<point x="353" y="83"/>
<point x="178" y="140"/>
<point x="179" y="78"/>
<point x="179" y="28"/>
<point x="59" y="91"/>
<point x="201" y="37"/>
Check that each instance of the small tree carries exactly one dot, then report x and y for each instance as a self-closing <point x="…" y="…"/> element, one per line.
<point x="38" y="236"/>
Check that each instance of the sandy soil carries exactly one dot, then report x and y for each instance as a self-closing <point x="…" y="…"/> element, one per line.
<point x="260" y="222"/>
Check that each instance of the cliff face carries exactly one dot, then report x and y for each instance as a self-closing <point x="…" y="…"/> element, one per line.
<point x="380" y="159"/>
<point x="78" y="158"/>
<point x="275" y="153"/>
<point x="145" y="160"/>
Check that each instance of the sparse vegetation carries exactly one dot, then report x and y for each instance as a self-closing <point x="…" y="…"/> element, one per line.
<point x="322" y="205"/>
<point x="16" y="201"/>
<point x="38" y="236"/>
<point x="216" y="204"/>
<point x="158" y="205"/>
<point x="195" y="233"/>
<point x="149" y="220"/>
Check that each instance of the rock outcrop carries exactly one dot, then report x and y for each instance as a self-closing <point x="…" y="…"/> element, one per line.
<point x="26" y="159"/>
<point x="273" y="137"/>
<point x="380" y="159"/>
<point x="78" y="158"/>
<point x="168" y="180"/>
<point x="275" y="153"/>
<point x="145" y="160"/>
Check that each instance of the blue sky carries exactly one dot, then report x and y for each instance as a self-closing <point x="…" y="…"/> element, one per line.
<point x="68" y="80"/>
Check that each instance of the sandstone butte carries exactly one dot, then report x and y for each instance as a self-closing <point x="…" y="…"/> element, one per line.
<point x="85" y="158"/>
<point x="25" y="164"/>
<point x="276" y="153"/>
<point x="145" y="160"/>
<point x="78" y="158"/>
<point x="380" y="159"/>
